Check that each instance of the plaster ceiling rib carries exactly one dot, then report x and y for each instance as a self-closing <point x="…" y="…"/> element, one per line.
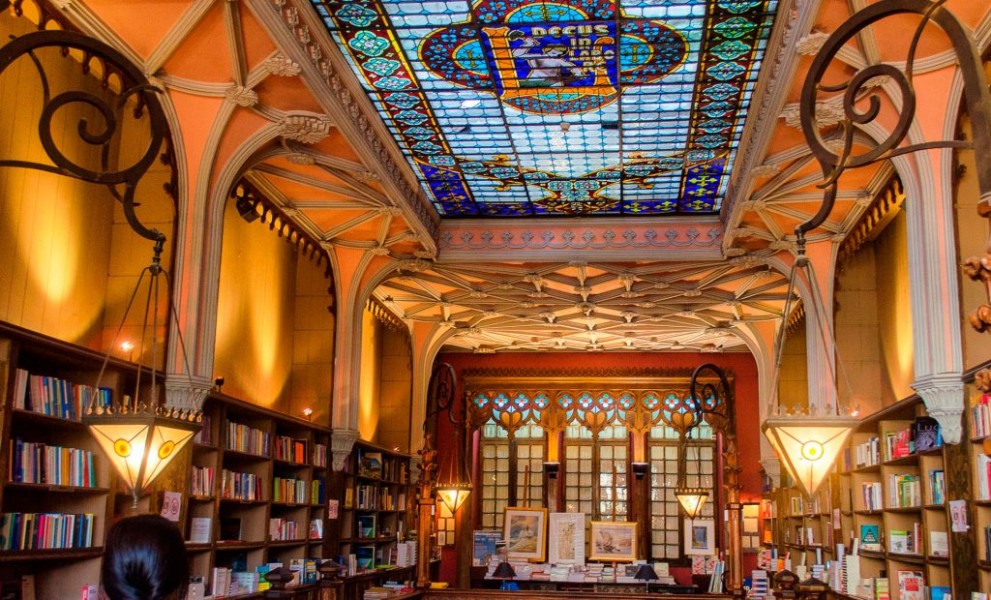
<point x="275" y="195"/>
<point x="193" y="86"/>
<point x="364" y="198"/>
<point x="302" y="37"/>
<point x="235" y="41"/>
<point x="186" y="24"/>
<point x="333" y="234"/>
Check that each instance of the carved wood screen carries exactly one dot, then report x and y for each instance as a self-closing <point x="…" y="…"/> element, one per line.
<point x="638" y="403"/>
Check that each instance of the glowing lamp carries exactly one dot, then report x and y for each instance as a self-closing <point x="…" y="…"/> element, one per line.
<point x="141" y="444"/>
<point x="809" y="446"/>
<point x="692" y="500"/>
<point x="453" y="494"/>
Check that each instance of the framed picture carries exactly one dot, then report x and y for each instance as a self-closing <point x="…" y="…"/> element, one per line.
<point x="566" y="539"/>
<point x="700" y="537"/>
<point x="525" y="532"/>
<point x="613" y="541"/>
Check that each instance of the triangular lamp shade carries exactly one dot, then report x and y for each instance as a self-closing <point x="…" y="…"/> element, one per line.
<point x="809" y="446"/>
<point x="453" y="495"/>
<point x="140" y="446"/>
<point x="692" y="500"/>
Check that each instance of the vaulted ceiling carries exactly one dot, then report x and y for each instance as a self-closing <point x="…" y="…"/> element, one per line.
<point x="595" y="204"/>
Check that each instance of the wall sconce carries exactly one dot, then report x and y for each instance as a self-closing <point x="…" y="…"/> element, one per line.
<point x="552" y="469"/>
<point x="640" y="469"/>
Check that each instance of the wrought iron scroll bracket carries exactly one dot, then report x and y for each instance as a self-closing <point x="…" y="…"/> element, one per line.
<point x="976" y="96"/>
<point x="135" y="89"/>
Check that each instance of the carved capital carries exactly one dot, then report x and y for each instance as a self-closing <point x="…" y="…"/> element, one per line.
<point x="305" y="129"/>
<point x="341" y="443"/>
<point x="187" y="393"/>
<point x="944" y="397"/>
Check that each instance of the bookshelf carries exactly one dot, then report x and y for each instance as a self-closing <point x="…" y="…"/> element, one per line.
<point x="979" y="448"/>
<point x="889" y="496"/>
<point x="59" y="490"/>
<point x="376" y="496"/>
<point x="256" y="489"/>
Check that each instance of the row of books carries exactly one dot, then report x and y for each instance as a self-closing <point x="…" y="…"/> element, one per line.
<point x="201" y="481"/>
<point x="937" y="486"/>
<point x="319" y="455"/>
<point x="983" y="475"/>
<point x="56" y="397"/>
<point x="898" y="443"/>
<point x="48" y="531"/>
<point x="980" y="416"/>
<point x="904" y="490"/>
<point x="865" y="454"/>
<point x="987" y="543"/>
<point x="290" y="449"/>
<point x="34" y="462"/>
<point x="372" y="497"/>
<point x="870" y="494"/>
<point x="240" y="486"/>
<point x="371" y="464"/>
<point x="284" y="530"/>
<point x="242" y="438"/>
<point x="292" y="491"/>
<point x="225" y="582"/>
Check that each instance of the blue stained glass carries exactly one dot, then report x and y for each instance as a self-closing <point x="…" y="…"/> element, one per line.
<point x="559" y="107"/>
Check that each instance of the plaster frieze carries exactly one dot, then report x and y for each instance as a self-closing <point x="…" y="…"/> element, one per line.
<point x="826" y="114"/>
<point x="186" y="392"/>
<point x="467" y="241"/>
<point x="341" y="443"/>
<point x="766" y="170"/>
<point x="944" y="398"/>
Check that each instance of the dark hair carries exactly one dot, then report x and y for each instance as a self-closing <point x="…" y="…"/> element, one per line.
<point x="144" y="559"/>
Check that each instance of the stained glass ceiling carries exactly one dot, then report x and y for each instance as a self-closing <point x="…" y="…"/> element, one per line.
<point x="511" y="108"/>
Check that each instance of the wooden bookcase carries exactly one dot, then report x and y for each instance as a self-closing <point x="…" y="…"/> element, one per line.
<point x="900" y="495"/>
<point x="267" y="501"/>
<point x="376" y="501"/>
<point x="979" y="446"/>
<point x="39" y="377"/>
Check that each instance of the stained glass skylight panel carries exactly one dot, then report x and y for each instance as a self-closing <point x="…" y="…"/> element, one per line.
<point x="560" y="107"/>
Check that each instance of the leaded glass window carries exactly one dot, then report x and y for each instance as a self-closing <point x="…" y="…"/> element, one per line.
<point x="495" y="475"/>
<point x="665" y="512"/>
<point x="596" y="481"/>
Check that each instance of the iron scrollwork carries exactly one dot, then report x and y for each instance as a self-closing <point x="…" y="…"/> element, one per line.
<point x="834" y="162"/>
<point x="136" y="92"/>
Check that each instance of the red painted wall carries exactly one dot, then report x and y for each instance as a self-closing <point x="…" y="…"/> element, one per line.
<point x="739" y="366"/>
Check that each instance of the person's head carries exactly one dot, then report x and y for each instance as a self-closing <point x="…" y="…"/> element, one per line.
<point x="144" y="558"/>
